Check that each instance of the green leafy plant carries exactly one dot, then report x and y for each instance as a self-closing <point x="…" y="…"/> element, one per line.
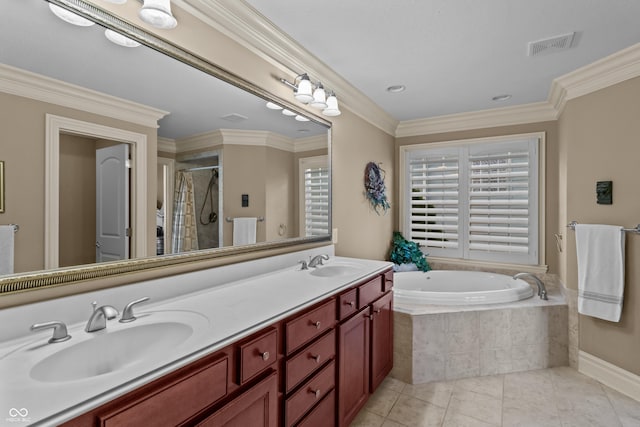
<point x="404" y="251"/>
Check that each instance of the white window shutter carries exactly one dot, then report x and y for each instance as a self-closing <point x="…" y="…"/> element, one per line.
<point x="502" y="202"/>
<point x="434" y="201"/>
<point x="316" y="203"/>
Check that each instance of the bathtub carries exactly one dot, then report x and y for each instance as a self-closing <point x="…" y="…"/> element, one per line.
<point x="444" y="287"/>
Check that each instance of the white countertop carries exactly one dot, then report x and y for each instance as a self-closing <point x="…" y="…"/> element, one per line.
<point x="224" y="314"/>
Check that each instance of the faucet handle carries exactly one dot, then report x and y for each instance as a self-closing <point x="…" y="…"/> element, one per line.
<point x="59" y="330"/>
<point x="305" y="266"/>
<point x="127" y="312"/>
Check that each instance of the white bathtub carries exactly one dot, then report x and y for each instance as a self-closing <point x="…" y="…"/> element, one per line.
<point x="444" y="287"/>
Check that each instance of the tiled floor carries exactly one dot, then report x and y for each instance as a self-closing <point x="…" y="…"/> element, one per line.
<point x="553" y="397"/>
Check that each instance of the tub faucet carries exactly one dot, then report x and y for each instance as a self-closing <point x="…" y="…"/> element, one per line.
<point x="317" y="260"/>
<point x="542" y="291"/>
<point x="99" y="317"/>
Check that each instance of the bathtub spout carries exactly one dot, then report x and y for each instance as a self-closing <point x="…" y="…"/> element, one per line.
<point x="542" y="291"/>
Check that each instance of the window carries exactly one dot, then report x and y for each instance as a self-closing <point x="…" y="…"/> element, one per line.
<point x="314" y="197"/>
<point x="475" y="200"/>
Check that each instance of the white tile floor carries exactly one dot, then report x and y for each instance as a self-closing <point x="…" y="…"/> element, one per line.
<point x="553" y="397"/>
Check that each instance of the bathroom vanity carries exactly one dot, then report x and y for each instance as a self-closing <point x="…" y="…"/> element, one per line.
<point x="290" y="347"/>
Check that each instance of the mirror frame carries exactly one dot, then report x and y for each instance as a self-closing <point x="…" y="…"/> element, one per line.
<point x="42" y="279"/>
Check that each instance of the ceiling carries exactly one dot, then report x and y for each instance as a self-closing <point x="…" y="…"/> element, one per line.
<point x="453" y="56"/>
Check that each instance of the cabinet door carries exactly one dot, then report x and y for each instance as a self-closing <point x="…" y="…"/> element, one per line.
<point x="353" y="374"/>
<point x="257" y="407"/>
<point x="381" y="339"/>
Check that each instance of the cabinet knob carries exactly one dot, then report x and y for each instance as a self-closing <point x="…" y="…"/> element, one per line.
<point x="264" y="355"/>
<point x="350" y="303"/>
<point x="316" y="324"/>
<point x="316" y="357"/>
<point x="376" y="311"/>
<point x="315" y="392"/>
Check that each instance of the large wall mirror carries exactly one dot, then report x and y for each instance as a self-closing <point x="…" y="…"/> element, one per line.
<point x="132" y="157"/>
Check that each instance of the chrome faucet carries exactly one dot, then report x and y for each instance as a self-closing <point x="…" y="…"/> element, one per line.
<point x="127" y="312"/>
<point x="542" y="291"/>
<point x="59" y="330"/>
<point x="99" y="317"/>
<point x="317" y="260"/>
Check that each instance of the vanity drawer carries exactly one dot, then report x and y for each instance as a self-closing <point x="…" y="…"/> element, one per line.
<point x="257" y="355"/>
<point x="323" y="415"/>
<point x="175" y="402"/>
<point x="388" y="281"/>
<point x="310" y="359"/>
<point x="309" y="394"/>
<point x="310" y="325"/>
<point x="348" y="303"/>
<point x="369" y="292"/>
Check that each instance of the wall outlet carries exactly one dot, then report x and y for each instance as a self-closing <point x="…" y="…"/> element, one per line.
<point x="334" y="236"/>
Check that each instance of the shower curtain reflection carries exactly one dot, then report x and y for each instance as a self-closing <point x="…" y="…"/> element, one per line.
<point x="185" y="236"/>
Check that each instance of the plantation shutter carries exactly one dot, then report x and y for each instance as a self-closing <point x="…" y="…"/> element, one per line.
<point x="502" y="201"/>
<point x="316" y="200"/>
<point x="434" y="201"/>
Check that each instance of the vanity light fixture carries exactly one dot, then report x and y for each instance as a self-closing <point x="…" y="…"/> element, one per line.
<point x="313" y="94"/>
<point x="288" y="113"/>
<point x="301" y="118"/>
<point x="272" y="106"/>
<point x="157" y="13"/>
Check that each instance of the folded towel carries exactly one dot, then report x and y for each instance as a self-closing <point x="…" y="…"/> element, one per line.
<point x="6" y="249"/>
<point x="244" y="231"/>
<point x="600" y="251"/>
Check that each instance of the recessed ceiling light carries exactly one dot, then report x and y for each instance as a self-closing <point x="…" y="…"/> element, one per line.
<point x="501" y="97"/>
<point x="396" y="88"/>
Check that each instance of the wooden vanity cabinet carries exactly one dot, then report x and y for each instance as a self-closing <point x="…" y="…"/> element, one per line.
<point x="316" y="368"/>
<point x="365" y="345"/>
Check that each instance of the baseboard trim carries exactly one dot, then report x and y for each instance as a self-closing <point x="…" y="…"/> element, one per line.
<point x="617" y="378"/>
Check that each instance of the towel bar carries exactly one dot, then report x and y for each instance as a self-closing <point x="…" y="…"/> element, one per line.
<point x="259" y="219"/>
<point x="572" y="225"/>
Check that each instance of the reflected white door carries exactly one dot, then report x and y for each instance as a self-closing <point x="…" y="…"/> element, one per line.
<point x="112" y="203"/>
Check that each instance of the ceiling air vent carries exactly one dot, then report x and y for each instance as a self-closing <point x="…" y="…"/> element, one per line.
<point x="234" y="117"/>
<point x="552" y="44"/>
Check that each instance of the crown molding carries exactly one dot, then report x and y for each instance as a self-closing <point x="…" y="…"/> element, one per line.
<point x="16" y="81"/>
<point x="220" y="138"/>
<point x="613" y="69"/>
<point x="243" y="24"/>
<point x="318" y="142"/>
<point x="519" y="114"/>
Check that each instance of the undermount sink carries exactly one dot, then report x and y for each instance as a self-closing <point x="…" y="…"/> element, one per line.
<point x="334" y="270"/>
<point x="114" y="349"/>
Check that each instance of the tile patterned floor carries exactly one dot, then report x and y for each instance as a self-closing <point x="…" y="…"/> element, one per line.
<point x="556" y="397"/>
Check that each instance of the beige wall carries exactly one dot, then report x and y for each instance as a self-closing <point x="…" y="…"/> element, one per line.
<point x="280" y="208"/>
<point x="551" y="189"/>
<point x="599" y="139"/>
<point x="361" y="232"/>
<point x="22" y="122"/>
<point x="77" y="200"/>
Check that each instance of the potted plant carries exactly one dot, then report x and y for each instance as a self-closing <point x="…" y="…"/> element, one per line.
<point x="406" y="255"/>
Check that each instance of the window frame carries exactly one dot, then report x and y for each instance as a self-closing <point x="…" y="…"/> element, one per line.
<point x="463" y="255"/>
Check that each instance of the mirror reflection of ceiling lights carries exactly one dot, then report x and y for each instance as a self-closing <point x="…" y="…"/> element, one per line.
<point x="156" y="13"/>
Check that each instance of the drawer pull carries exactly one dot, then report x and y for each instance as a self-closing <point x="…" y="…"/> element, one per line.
<point x="265" y="355"/>
<point x="350" y="303"/>
<point x="376" y="311"/>
<point x="315" y="392"/>
<point x="316" y="357"/>
<point x="316" y="324"/>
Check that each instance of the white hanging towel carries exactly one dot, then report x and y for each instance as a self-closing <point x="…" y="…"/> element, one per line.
<point x="6" y="249"/>
<point x="600" y="251"/>
<point x="244" y="231"/>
